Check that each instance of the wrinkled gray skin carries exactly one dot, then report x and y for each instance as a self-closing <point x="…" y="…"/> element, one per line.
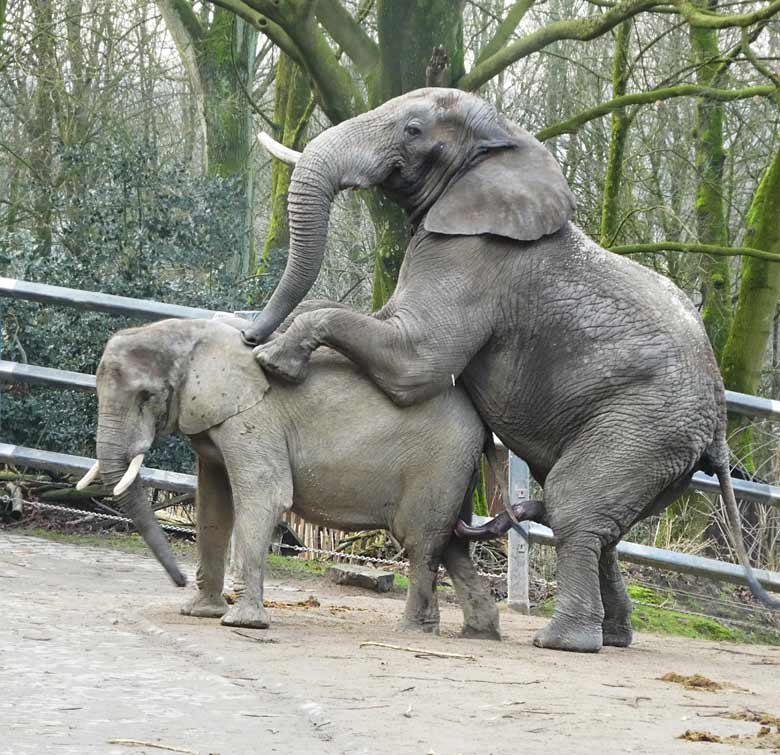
<point x="334" y="450"/>
<point x="592" y="368"/>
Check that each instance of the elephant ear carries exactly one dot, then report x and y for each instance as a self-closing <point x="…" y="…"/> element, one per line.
<point x="222" y="378"/>
<point x="515" y="188"/>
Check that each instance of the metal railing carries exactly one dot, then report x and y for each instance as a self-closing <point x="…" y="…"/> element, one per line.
<point x="519" y="478"/>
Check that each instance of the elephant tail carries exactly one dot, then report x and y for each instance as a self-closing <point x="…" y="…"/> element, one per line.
<point x="719" y="462"/>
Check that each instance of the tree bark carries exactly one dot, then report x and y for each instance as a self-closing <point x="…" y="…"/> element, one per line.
<point x="409" y="31"/>
<point x="219" y="60"/>
<point x="710" y="218"/>
<point x="293" y="105"/>
<point x="759" y="287"/>
<point x="617" y="145"/>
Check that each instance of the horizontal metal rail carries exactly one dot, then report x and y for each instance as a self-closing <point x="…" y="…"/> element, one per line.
<point x="55" y="462"/>
<point x="632" y="552"/>
<point x="116" y="305"/>
<point x="14" y="372"/>
<point x="646" y="555"/>
<point x="737" y="403"/>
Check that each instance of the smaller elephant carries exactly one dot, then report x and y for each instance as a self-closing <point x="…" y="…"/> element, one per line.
<point x="335" y="450"/>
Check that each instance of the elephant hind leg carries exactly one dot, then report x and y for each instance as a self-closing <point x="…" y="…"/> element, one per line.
<point x="480" y="614"/>
<point x="579" y="613"/>
<point x="616" y="627"/>
<point x="421" y="613"/>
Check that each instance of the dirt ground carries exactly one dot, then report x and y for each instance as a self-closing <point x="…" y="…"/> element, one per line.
<point x="94" y="650"/>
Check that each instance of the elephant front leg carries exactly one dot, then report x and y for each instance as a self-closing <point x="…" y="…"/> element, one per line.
<point x="215" y="524"/>
<point x="407" y="361"/>
<point x="287" y="356"/>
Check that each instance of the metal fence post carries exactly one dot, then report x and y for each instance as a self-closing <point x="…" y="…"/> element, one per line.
<point x="518" y="568"/>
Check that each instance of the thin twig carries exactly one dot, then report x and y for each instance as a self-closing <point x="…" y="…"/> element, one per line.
<point x="450" y="679"/>
<point x="417" y="651"/>
<point x="139" y="743"/>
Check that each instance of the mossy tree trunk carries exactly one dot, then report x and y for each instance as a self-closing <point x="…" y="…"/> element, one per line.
<point x="689" y="517"/>
<point x="759" y="287"/>
<point x="396" y="62"/>
<point x="621" y="122"/>
<point x="293" y="103"/>
<point x="41" y="125"/>
<point x="408" y="32"/>
<point x="219" y="57"/>
<point x="710" y="156"/>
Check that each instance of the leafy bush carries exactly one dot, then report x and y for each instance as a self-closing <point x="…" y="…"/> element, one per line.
<point x="124" y="225"/>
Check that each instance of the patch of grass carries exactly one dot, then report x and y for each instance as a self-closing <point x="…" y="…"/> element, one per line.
<point x="278" y="566"/>
<point x="125" y="542"/>
<point x="665" y="620"/>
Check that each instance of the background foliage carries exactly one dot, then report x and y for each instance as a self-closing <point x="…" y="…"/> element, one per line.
<point x="128" y="164"/>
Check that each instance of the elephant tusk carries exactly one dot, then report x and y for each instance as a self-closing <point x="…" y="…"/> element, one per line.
<point x="89" y="477"/>
<point x="279" y="151"/>
<point x="129" y="477"/>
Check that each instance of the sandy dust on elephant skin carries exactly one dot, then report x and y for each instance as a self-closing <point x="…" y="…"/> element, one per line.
<point x="100" y="651"/>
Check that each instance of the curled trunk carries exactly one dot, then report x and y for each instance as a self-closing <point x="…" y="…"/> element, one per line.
<point x="341" y="157"/>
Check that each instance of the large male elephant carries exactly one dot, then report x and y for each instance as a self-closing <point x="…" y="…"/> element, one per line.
<point x="335" y="450"/>
<point x="594" y="369"/>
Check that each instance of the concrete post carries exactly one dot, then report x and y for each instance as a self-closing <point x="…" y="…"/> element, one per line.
<point x="518" y="569"/>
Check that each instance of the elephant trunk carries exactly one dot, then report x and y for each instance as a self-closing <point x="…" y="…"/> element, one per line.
<point x="113" y="459"/>
<point x="341" y="157"/>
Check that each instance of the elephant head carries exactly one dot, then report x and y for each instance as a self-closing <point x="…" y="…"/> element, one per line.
<point x="157" y="379"/>
<point x="447" y="156"/>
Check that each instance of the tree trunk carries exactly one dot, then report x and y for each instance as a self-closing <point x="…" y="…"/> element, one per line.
<point x="226" y="60"/>
<point x="621" y="122"/>
<point x="710" y="218"/>
<point x="408" y="31"/>
<point x="220" y="62"/>
<point x="759" y="287"/>
<point x="292" y="108"/>
<point x="42" y="123"/>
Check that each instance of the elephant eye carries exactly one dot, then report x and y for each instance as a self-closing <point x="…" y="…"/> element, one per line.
<point x="411" y="130"/>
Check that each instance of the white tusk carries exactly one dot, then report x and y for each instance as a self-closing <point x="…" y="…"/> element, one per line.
<point x="129" y="477"/>
<point x="279" y="151"/>
<point x="88" y="477"/>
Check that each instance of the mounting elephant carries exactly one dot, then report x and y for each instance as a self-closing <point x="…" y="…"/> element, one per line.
<point x="594" y="369"/>
<point x="335" y="451"/>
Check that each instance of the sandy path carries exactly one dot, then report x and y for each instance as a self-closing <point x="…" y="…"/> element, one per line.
<point x="93" y="649"/>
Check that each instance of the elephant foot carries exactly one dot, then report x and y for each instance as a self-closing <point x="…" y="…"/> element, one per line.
<point x="482" y="624"/>
<point x="617" y="634"/>
<point x="576" y="638"/>
<point x="247" y="614"/>
<point x="289" y="362"/>
<point x="419" y="627"/>
<point x="205" y="605"/>
<point x="481" y="632"/>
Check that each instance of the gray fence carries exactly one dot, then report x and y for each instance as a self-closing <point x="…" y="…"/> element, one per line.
<point x="519" y="479"/>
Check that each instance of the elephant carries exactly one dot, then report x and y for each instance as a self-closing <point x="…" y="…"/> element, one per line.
<point x="594" y="369"/>
<point x="335" y="451"/>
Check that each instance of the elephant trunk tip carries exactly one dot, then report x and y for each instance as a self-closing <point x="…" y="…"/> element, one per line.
<point x="249" y="338"/>
<point x="178" y="577"/>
